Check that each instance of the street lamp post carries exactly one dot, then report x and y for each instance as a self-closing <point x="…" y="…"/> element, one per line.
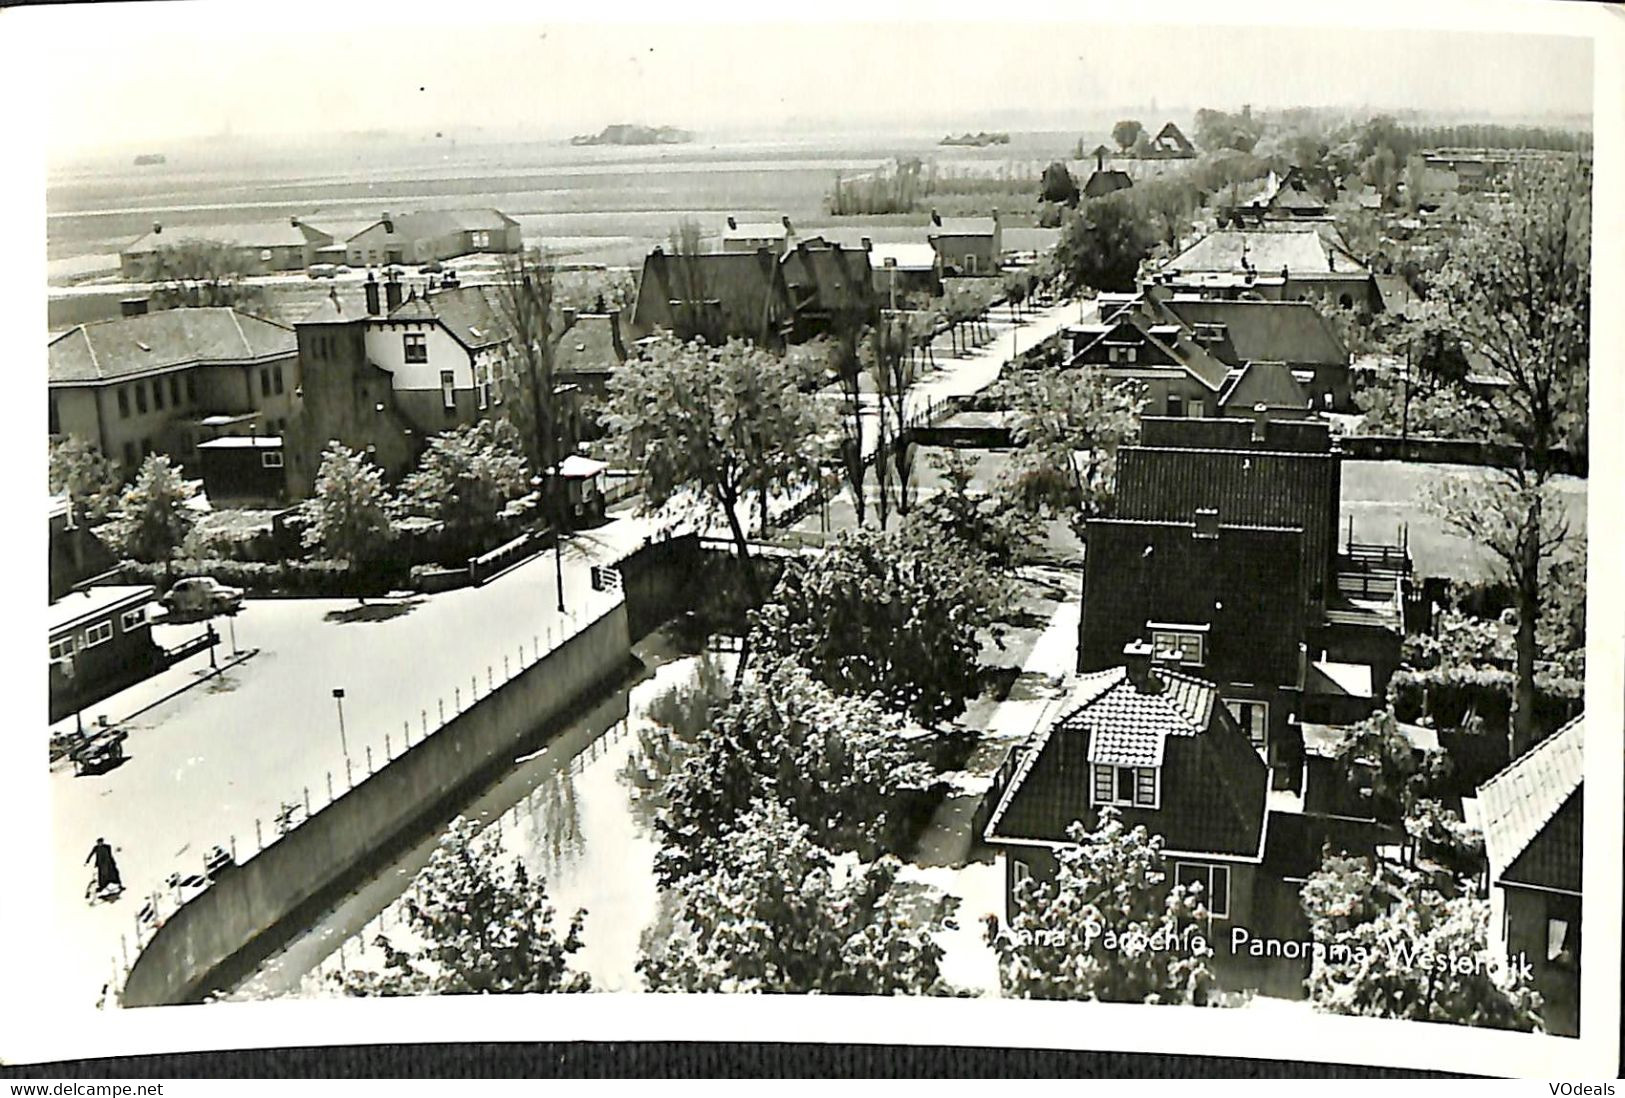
<point x="338" y="697"/>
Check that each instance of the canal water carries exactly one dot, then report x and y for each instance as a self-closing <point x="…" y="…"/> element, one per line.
<point x="564" y="810"/>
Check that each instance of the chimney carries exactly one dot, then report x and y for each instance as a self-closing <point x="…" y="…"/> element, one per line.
<point x="1260" y="422"/>
<point x="995" y="217"/>
<point x="936" y="219"/>
<point x="788" y="228"/>
<point x="372" y="295"/>
<point x="1137" y="662"/>
<point x="133" y="306"/>
<point x="1207" y="523"/>
<point x="392" y="292"/>
<point x="1100" y="160"/>
<point x="157" y="227"/>
<point x="293" y="221"/>
<point x="732" y="224"/>
<point x="868" y="244"/>
<point x="389" y="223"/>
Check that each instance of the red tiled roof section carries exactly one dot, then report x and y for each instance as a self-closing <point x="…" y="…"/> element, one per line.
<point x="129" y="346"/>
<point x="1532" y="812"/>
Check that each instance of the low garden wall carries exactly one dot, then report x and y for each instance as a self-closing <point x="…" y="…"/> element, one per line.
<point x="1449" y="451"/>
<point x="245" y="901"/>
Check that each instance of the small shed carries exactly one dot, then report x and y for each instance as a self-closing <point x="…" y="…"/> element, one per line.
<point x="244" y="467"/>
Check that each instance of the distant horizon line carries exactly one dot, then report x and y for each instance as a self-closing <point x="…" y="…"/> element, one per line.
<point x="1014" y="121"/>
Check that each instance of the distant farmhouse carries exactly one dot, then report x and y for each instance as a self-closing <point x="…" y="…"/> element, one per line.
<point x="432" y="235"/>
<point x="967" y="245"/>
<point x="165" y="382"/>
<point x="256" y="249"/>
<point x="1171" y="144"/>
<point x="294" y="245"/>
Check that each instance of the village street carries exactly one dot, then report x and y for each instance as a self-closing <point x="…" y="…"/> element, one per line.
<point x="216" y="763"/>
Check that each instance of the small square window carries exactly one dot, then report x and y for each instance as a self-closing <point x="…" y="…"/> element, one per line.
<point x="61" y="650"/>
<point x="1188" y="645"/>
<point x="133" y="619"/>
<point x="416" y="347"/>
<point x="100" y="633"/>
<point x="271" y="459"/>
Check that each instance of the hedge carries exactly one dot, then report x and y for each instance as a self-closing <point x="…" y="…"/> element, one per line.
<point x="300" y="578"/>
<point x="1448" y="694"/>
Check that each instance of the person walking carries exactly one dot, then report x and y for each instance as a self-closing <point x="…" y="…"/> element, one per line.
<point x="107" y="875"/>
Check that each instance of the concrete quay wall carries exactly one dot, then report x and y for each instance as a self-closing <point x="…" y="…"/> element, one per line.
<point x="182" y="958"/>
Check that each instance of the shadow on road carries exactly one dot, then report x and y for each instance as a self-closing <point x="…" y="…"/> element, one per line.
<point x="372" y="611"/>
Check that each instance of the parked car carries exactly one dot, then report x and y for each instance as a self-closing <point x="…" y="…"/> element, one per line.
<point x="432" y="268"/>
<point x="323" y="270"/>
<point x="202" y="595"/>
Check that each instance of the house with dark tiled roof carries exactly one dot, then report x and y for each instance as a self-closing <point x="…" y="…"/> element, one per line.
<point x="827" y="285"/>
<point x="432" y="235"/>
<point x="1232" y="596"/>
<point x="589" y="352"/>
<point x="1178" y="376"/>
<point x="161" y="382"/>
<point x="714" y="296"/>
<point x="1263" y="390"/>
<point x="967" y="245"/>
<point x="1295" y="333"/>
<point x="255" y="248"/>
<point x="1104" y="181"/>
<point x="1532" y="815"/>
<point x="1154" y="739"/>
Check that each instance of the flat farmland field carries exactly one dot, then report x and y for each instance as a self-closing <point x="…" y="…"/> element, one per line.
<point x="602" y="204"/>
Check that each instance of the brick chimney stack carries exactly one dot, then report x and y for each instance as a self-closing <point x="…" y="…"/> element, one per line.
<point x="392" y="291"/>
<point x="372" y="294"/>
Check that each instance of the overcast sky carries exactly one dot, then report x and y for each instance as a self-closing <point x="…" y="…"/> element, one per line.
<point x="121" y="74"/>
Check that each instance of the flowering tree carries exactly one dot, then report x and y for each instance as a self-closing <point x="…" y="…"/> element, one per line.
<point x="347" y="514"/>
<point x="895" y="615"/>
<point x="1394" y="944"/>
<point x="719" y="425"/>
<point x="774" y="912"/>
<point x="836" y="763"/>
<point x="481" y="929"/>
<point x="1110" y="926"/>
<point x="154" y="515"/>
<point x="79" y="471"/>
<point x="466" y="477"/>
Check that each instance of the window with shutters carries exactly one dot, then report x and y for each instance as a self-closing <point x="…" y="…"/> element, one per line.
<point x="1126" y="786"/>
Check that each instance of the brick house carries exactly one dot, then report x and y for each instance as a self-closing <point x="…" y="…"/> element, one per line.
<point x="1178" y="376"/>
<point x="1155" y="741"/>
<point x="163" y="382"/>
<point x="1532" y="815"/>
<point x="1295" y="333"/>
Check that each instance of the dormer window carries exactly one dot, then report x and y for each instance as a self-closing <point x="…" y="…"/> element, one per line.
<point x="1126" y="786"/>
<point x="1190" y="641"/>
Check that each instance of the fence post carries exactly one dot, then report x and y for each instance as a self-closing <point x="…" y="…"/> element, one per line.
<point x="349" y="776"/>
<point x="488" y="686"/>
<point x="507" y="676"/>
<point x="258" y="841"/>
<point x="535" y="649"/>
<point x="329" y="787"/>
<point x="388" y="751"/>
<point x="441" y="702"/>
<point x="233" y="858"/>
<point x="473" y="688"/>
<point x="307" y="802"/>
<point x="456" y="699"/>
<point x="423" y="715"/>
<point x="369" y="758"/>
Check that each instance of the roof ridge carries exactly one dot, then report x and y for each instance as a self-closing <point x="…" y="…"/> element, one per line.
<point x="1543" y="744"/>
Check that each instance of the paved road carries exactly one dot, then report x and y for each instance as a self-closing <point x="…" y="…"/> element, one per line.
<point x="206" y="765"/>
